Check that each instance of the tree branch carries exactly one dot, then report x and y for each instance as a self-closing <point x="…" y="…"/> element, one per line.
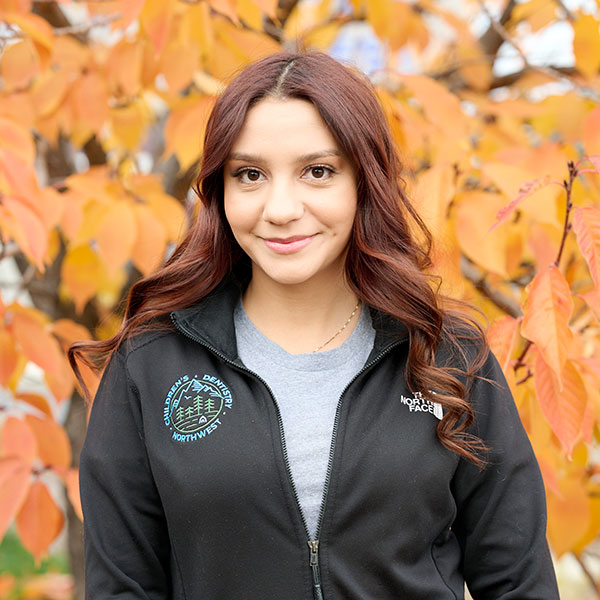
<point x="478" y="279"/>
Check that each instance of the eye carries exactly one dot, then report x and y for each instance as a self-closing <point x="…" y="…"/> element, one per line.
<point x="320" y="172"/>
<point x="248" y="175"/>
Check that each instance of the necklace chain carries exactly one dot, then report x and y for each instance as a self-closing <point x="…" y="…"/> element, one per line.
<point x="339" y="330"/>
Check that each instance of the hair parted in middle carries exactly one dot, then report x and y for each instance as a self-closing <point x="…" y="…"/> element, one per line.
<point x="388" y="251"/>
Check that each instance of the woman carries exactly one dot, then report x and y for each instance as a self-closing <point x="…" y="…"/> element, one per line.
<point x="289" y="411"/>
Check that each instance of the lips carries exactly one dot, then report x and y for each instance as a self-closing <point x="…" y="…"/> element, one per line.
<point x="288" y="245"/>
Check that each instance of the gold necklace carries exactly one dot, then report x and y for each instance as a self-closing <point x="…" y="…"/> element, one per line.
<point x="339" y="330"/>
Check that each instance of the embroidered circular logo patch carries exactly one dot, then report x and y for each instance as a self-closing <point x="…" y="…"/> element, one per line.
<point x="194" y="406"/>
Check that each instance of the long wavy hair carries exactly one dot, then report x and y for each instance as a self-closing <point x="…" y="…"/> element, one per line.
<point x="389" y="249"/>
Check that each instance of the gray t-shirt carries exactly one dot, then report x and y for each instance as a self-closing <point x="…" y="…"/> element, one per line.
<point x="307" y="388"/>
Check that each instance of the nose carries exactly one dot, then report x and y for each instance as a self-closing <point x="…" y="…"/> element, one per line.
<point x="282" y="202"/>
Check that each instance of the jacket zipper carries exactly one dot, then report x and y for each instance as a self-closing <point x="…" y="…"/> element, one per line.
<point x="313" y="545"/>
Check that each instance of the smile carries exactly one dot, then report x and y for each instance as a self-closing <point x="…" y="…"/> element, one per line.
<point x="288" y="245"/>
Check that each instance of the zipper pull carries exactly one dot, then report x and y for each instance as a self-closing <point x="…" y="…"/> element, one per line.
<point x="314" y="565"/>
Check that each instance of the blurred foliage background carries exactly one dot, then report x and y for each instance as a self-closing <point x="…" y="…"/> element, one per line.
<point x="494" y="107"/>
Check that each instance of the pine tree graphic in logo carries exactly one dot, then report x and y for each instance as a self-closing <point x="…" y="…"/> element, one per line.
<point x="195" y="405"/>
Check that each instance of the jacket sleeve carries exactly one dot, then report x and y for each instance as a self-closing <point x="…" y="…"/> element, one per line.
<point x="125" y="535"/>
<point x="501" y="510"/>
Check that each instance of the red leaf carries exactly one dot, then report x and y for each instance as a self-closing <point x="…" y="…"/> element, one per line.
<point x="595" y="160"/>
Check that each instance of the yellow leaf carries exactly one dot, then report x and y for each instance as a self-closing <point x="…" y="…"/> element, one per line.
<point x="250" y="13"/>
<point x="586" y="44"/>
<point x="562" y="402"/>
<point x="547" y="311"/>
<point x="150" y="245"/>
<point x="82" y="273"/>
<point x="477" y="69"/>
<point x="321" y="38"/>
<point x="568" y="514"/>
<point x="129" y="123"/>
<point x="116" y="236"/>
<point x="391" y="21"/>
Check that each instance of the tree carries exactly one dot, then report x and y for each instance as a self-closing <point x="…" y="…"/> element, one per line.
<point x="100" y="138"/>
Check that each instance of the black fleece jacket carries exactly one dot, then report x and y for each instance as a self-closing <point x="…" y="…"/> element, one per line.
<point x="187" y="495"/>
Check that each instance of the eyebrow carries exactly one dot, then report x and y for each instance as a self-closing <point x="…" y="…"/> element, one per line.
<point x="242" y="156"/>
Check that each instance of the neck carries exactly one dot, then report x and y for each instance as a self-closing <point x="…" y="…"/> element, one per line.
<point x="302" y="317"/>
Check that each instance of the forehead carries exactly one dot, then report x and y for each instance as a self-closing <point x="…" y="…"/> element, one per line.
<point x="284" y="126"/>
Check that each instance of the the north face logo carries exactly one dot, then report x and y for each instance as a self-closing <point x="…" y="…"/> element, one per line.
<point x="419" y="404"/>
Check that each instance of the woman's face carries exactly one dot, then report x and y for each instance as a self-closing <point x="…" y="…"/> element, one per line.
<point x="290" y="194"/>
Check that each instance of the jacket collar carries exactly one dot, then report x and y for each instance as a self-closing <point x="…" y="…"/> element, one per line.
<point x="210" y="322"/>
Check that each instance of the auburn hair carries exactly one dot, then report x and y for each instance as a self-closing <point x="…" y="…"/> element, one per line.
<point x="389" y="249"/>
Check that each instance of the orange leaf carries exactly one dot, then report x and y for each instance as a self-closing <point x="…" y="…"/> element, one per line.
<point x="546" y="317"/>
<point x="38" y="402"/>
<point x="68" y="331"/>
<point x="19" y="64"/>
<point x="563" y="406"/>
<point x="27" y="229"/>
<point x="17" y="139"/>
<point x="441" y="106"/>
<point x="14" y="483"/>
<point x="116" y="236"/>
<point x="89" y="98"/>
<point x="39" y="520"/>
<point x="501" y="338"/>
<point x="38" y="30"/>
<point x="485" y="248"/>
<point x="10" y="357"/>
<point x="61" y="382"/>
<point x="54" y="448"/>
<point x="18" y="441"/>
<point x="527" y="188"/>
<point x="35" y="340"/>
<point x="149" y="248"/>
<point x="586" y="224"/>
<point x="190" y="115"/>
<point x="595" y="160"/>
<point x="155" y="18"/>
